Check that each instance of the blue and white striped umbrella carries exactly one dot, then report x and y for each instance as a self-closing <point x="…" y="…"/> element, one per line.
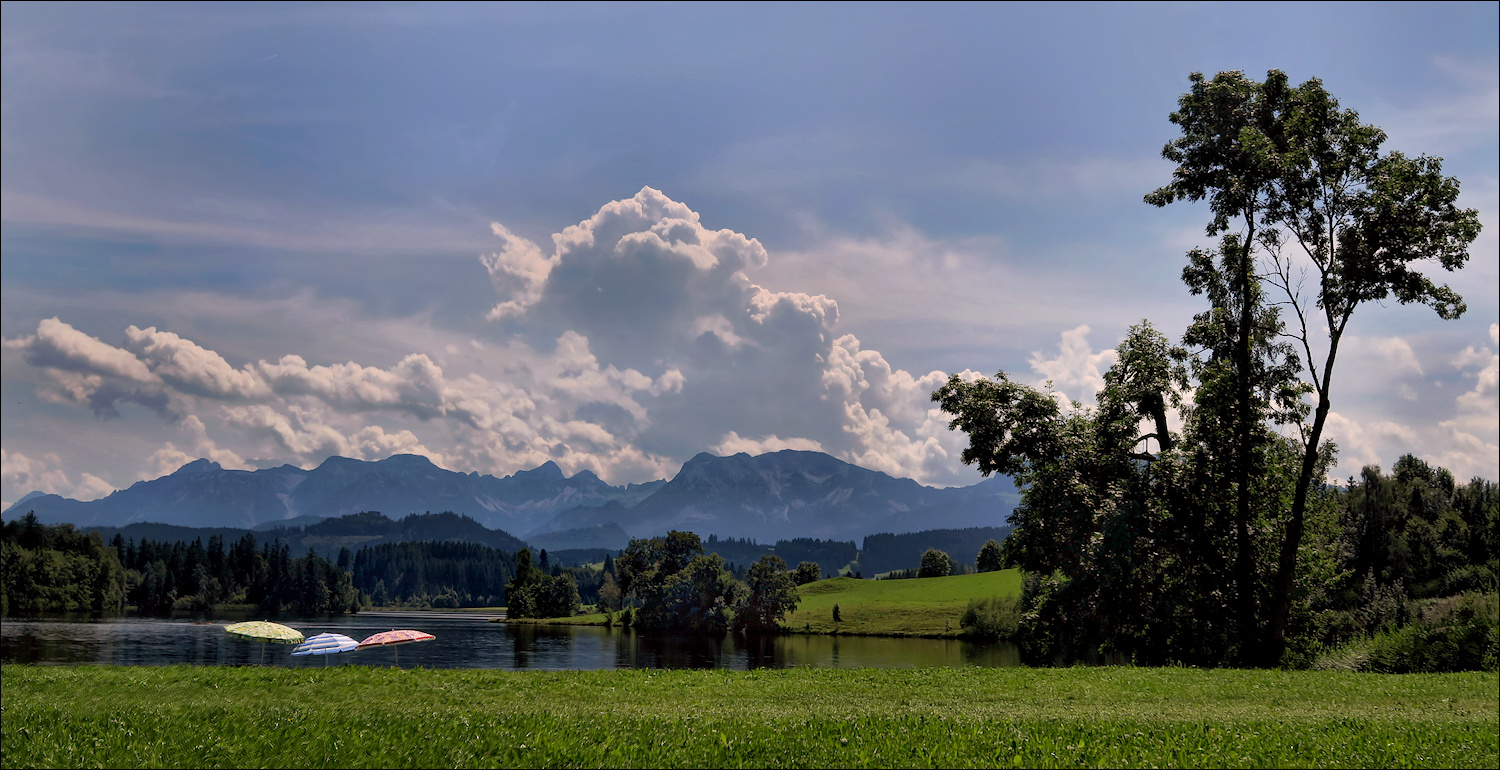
<point x="325" y="644"/>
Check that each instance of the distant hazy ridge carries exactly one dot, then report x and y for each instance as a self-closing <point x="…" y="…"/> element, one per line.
<point x="781" y="495"/>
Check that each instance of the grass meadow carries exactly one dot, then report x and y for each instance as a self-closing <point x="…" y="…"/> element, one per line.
<point x="937" y="717"/>
<point x="914" y="607"/>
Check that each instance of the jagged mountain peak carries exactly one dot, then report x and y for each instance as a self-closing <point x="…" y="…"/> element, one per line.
<point x="201" y="465"/>
<point x="794" y="493"/>
<point x="547" y="471"/>
<point x="30" y="496"/>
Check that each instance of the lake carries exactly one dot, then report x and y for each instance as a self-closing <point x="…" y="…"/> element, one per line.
<point x="470" y="642"/>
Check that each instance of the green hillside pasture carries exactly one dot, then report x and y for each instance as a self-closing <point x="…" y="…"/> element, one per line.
<point x="916" y="607"/>
<point x="182" y="716"/>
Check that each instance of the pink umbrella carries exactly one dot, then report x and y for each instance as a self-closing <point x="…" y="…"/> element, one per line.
<point x="393" y="638"/>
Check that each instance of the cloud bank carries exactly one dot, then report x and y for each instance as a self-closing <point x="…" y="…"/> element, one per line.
<point x="635" y="341"/>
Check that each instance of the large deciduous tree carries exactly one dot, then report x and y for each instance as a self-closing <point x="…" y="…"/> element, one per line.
<point x="772" y="594"/>
<point x="677" y="585"/>
<point x="1230" y="127"/>
<point x="1128" y="551"/>
<point x="1120" y="555"/>
<point x="1304" y="184"/>
<point x="989" y="558"/>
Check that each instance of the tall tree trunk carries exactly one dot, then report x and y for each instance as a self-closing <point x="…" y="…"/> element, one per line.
<point x="1243" y="456"/>
<point x="1286" y="569"/>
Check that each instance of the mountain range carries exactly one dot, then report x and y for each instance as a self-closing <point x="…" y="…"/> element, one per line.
<point x="778" y="495"/>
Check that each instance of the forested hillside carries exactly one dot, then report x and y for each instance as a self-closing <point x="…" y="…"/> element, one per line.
<point x="886" y="552"/>
<point x="830" y="555"/>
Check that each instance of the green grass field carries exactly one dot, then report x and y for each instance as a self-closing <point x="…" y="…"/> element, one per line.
<point x="916" y="607"/>
<point x="89" y="716"/>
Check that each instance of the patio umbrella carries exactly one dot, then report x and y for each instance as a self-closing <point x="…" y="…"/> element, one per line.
<point x="263" y="632"/>
<point x="325" y="645"/>
<point x="393" y="638"/>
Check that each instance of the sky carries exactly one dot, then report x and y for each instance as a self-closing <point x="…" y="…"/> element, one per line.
<point x="615" y="236"/>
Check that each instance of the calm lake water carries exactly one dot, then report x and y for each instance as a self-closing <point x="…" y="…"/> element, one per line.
<point x="466" y="642"/>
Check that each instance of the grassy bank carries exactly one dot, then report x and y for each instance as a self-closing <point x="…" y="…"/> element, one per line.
<point x="969" y="717"/>
<point x="916" y="607"/>
<point x="436" y="610"/>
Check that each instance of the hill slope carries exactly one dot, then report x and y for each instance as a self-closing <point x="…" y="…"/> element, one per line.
<point x="916" y="607"/>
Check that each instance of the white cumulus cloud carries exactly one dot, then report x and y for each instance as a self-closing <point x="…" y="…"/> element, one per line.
<point x="733" y="443"/>
<point x="43" y="474"/>
<point x="1075" y="371"/>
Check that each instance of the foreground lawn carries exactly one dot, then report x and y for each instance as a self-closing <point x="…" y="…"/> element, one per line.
<point x="943" y="717"/>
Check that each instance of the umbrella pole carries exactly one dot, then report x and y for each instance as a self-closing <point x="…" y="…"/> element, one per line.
<point x="397" y="649"/>
<point x="263" y="653"/>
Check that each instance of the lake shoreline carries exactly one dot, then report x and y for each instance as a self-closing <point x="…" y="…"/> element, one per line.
<point x="471" y="642"/>
<point x="590" y="622"/>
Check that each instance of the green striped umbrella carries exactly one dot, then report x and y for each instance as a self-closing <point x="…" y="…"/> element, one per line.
<point x="264" y="631"/>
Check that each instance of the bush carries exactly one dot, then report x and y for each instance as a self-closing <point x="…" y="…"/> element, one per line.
<point x="997" y="618"/>
<point x="936" y="563"/>
<point x="989" y="558"/>
<point x="807" y="572"/>
<point x="1460" y="633"/>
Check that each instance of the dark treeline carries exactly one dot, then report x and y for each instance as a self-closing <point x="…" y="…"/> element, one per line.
<point x="195" y="576"/>
<point x="57" y="569"/>
<point x="353" y="531"/>
<point x="46" y="569"/>
<point x="437" y="574"/>
<point x="886" y="552"/>
<point x="830" y="555"/>
<point x="1401" y="543"/>
<point x="412" y="527"/>
<point x="458" y="574"/>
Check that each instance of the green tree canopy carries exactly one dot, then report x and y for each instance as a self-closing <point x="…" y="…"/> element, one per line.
<point x="772" y="594"/>
<point x="57" y="569"/>
<point x="676" y="585"/>
<point x="806" y="572"/>
<point x="935" y="563"/>
<point x="1193" y="553"/>
<point x="1306" y="184"/>
<point x="989" y="558"/>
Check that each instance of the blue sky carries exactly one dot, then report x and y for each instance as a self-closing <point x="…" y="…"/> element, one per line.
<point x="268" y="233"/>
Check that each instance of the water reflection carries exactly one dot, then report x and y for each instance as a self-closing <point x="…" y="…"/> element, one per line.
<point x="464" y="642"/>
